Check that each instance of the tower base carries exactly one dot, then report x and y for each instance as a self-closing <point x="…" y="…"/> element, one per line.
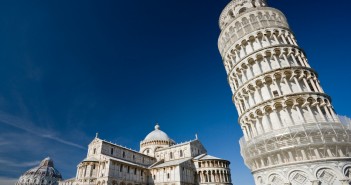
<point x="333" y="172"/>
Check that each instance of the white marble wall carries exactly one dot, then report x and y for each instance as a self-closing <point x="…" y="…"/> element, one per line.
<point x="285" y="115"/>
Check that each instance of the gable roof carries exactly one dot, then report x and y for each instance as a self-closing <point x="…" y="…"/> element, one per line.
<point x="171" y="163"/>
<point x="207" y="157"/>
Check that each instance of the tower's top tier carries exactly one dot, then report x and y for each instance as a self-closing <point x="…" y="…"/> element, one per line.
<point x="236" y="7"/>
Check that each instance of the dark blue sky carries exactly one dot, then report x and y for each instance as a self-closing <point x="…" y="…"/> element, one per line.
<point x="69" y="69"/>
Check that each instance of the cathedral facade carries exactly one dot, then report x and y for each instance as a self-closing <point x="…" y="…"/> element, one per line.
<point x="160" y="161"/>
<point x="292" y="134"/>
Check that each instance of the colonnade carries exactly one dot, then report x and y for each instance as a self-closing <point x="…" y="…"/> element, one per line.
<point x="269" y="38"/>
<point x="298" y="154"/>
<point x="265" y="62"/>
<point x="231" y="11"/>
<point x="245" y="24"/>
<point x="274" y="85"/>
<point x="213" y="171"/>
<point x="89" y="169"/>
<point x="213" y="164"/>
<point x="289" y="112"/>
<point x="214" y="176"/>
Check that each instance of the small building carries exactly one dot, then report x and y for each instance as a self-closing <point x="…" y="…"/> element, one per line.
<point x="44" y="174"/>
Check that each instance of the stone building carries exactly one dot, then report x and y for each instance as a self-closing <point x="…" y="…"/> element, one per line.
<point x="292" y="134"/>
<point x="160" y="161"/>
<point x="44" y="174"/>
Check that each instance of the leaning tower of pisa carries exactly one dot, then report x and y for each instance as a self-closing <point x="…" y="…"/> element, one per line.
<point x="292" y="135"/>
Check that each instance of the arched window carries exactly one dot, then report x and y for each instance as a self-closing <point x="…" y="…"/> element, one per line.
<point x="167" y="175"/>
<point x="242" y="10"/>
<point x="111" y="151"/>
<point x="231" y="14"/>
<point x="181" y="153"/>
<point x="171" y="155"/>
<point x="124" y="154"/>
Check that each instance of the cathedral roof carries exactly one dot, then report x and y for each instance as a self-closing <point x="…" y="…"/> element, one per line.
<point x="126" y="162"/>
<point x="207" y="157"/>
<point x="177" y="145"/>
<point x="171" y="163"/>
<point x="157" y="135"/>
<point x="90" y="159"/>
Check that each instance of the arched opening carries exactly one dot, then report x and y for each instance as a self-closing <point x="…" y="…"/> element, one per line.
<point x="242" y="10"/>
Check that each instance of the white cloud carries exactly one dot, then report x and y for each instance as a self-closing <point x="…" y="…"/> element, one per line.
<point x="7" y="181"/>
<point x="31" y="128"/>
<point x="19" y="164"/>
<point x="4" y="143"/>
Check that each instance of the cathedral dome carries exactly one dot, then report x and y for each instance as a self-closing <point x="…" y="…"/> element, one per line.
<point x="44" y="174"/>
<point x="155" y="140"/>
<point x="157" y="135"/>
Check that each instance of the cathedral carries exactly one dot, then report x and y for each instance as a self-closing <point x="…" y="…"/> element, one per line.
<point x="292" y="134"/>
<point x="160" y="161"/>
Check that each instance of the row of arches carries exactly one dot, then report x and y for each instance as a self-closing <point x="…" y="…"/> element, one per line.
<point x="89" y="169"/>
<point x="250" y="22"/>
<point x="233" y="10"/>
<point x="293" y="110"/>
<point x="266" y="61"/>
<point x="156" y="142"/>
<point x="213" y="164"/>
<point x="298" y="154"/>
<point x="258" y="40"/>
<point x="274" y="85"/>
<point x="218" y="176"/>
<point x="296" y="144"/>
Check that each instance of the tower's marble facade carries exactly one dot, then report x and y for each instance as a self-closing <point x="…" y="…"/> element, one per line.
<point x="160" y="161"/>
<point x="292" y="134"/>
